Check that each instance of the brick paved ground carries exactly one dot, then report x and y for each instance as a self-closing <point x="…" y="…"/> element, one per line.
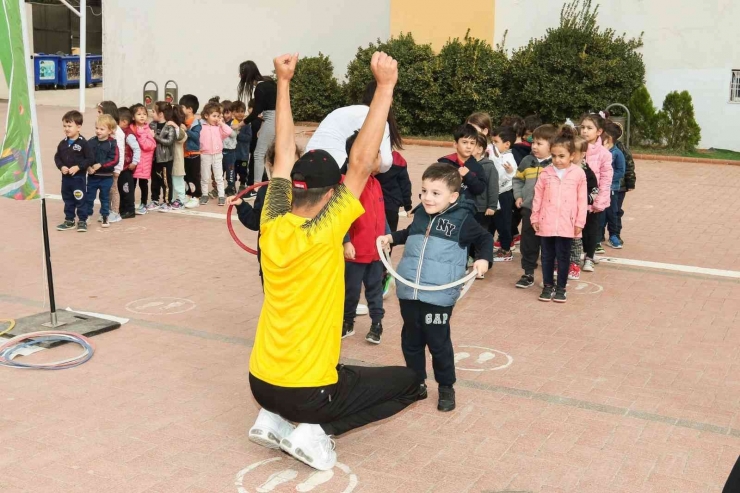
<point x="631" y="388"/>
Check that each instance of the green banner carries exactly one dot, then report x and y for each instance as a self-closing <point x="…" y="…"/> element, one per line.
<point x="18" y="163"/>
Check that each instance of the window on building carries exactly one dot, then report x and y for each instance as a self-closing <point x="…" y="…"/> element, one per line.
<point x="735" y="87"/>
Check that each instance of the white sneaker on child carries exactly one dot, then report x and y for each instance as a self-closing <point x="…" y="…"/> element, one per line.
<point x="192" y="203"/>
<point x="269" y="429"/>
<point x="310" y="445"/>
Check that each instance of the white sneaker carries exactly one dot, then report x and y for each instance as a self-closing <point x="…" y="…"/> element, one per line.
<point x="114" y="217"/>
<point x="588" y="265"/>
<point x="269" y="429"/>
<point x="310" y="445"/>
<point x="362" y="309"/>
<point x="192" y="203"/>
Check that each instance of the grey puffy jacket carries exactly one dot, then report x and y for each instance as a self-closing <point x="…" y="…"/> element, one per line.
<point x="165" y="141"/>
<point x="436" y="251"/>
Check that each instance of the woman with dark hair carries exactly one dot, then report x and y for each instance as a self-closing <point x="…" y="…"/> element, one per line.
<point x="342" y="123"/>
<point x="263" y="90"/>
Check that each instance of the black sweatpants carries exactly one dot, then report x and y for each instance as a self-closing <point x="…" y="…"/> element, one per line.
<point x="361" y="395"/>
<point x="192" y="176"/>
<point x="241" y="169"/>
<point x="592" y="233"/>
<point x="503" y="219"/>
<point x="530" y="244"/>
<point x="162" y="182"/>
<point x="516" y="219"/>
<point x="144" y="188"/>
<point x="127" y="191"/>
<point x="371" y="275"/>
<point x="426" y="325"/>
<point x="555" y="247"/>
<point x="391" y="215"/>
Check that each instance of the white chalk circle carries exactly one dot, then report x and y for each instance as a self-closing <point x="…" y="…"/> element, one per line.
<point x="479" y="358"/>
<point x="584" y="287"/>
<point x="125" y="230"/>
<point x="305" y="481"/>
<point x="160" y="306"/>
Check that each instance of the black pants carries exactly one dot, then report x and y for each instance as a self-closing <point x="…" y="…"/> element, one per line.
<point x="530" y="244"/>
<point x="391" y="215"/>
<point x="192" y="177"/>
<point x="555" y="247"/>
<point x="127" y="191"/>
<point x="162" y="182"/>
<point x="591" y="233"/>
<point x="426" y="325"/>
<point x="371" y="275"/>
<point x="516" y="219"/>
<point x="241" y="169"/>
<point x="503" y="220"/>
<point x="144" y="188"/>
<point x="361" y="395"/>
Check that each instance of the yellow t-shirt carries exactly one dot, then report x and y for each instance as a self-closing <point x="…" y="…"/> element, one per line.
<point x="300" y="327"/>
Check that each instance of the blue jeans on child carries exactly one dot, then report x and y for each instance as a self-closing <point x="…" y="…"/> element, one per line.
<point x="612" y="218"/>
<point x="102" y="184"/>
<point x="555" y="248"/>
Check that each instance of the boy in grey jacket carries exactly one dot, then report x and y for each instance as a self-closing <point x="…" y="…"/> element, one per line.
<point x="165" y="133"/>
<point x="436" y="253"/>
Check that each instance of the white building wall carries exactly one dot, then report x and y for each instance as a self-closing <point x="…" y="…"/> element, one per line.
<point x="200" y="45"/>
<point x="689" y="45"/>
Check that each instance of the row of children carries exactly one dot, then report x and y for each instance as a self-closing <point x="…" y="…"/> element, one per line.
<point x="176" y="154"/>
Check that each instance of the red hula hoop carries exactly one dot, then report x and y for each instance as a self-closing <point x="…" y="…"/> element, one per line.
<point x="228" y="217"/>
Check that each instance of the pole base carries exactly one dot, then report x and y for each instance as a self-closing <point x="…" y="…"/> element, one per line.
<point x="85" y="325"/>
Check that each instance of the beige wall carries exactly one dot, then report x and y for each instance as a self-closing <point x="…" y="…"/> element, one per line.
<point x="436" y="21"/>
<point x="169" y="39"/>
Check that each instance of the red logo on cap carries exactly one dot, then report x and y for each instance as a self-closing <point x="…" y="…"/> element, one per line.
<point x="300" y="184"/>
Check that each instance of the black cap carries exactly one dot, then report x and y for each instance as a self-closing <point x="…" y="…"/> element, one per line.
<point x="315" y="169"/>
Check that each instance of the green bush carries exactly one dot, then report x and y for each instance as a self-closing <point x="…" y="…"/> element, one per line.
<point x="644" y="124"/>
<point x="315" y="92"/>
<point x="469" y="76"/>
<point x="677" y="124"/>
<point x="415" y="98"/>
<point x="574" y="68"/>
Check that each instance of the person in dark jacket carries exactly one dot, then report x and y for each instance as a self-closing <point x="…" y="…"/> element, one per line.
<point x="100" y="179"/>
<point x="73" y="157"/>
<point x="627" y="182"/>
<point x="243" y="143"/>
<point x="436" y="254"/>
<point x="473" y="176"/>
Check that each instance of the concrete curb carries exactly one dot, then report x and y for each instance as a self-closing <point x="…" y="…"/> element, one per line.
<point x="641" y="157"/>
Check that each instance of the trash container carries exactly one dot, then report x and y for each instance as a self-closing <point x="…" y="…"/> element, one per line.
<point x="69" y="70"/>
<point x="94" y="69"/>
<point x="45" y="70"/>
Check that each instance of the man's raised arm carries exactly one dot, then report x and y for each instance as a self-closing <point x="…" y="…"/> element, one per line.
<point x="366" y="147"/>
<point x="284" y="129"/>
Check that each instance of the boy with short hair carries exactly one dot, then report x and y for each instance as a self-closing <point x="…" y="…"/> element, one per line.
<point x="473" y="176"/>
<point x="190" y="105"/>
<point x="523" y="185"/>
<point x="362" y="262"/>
<point x="73" y="156"/>
<point x="106" y="157"/>
<point x="504" y="138"/>
<point x="435" y="254"/>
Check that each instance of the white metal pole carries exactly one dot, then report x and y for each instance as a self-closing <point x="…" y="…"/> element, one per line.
<point x="83" y="53"/>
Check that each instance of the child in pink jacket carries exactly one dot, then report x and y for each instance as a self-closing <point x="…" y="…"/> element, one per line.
<point x="212" y="134"/>
<point x="559" y="212"/>
<point x="599" y="159"/>
<point x="145" y="138"/>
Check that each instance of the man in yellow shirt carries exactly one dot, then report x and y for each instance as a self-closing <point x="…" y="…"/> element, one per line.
<point x="294" y="370"/>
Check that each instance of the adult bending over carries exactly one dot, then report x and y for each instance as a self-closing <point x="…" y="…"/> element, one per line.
<point x="293" y="371"/>
<point x="333" y="132"/>
<point x="252" y="85"/>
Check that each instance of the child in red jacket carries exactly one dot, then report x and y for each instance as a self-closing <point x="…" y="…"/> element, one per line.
<point x="362" y="262"/>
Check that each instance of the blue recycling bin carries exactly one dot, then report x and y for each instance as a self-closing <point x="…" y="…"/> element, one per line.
<point x="69" y="70"/>
<point x="94" y="69"/>
<point x="46" y="70"/>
